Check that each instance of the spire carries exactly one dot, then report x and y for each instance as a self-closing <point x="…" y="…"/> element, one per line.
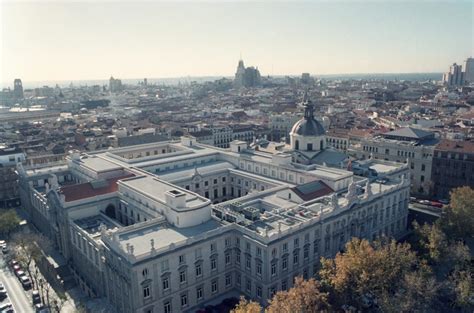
<point x="309" y="108"/>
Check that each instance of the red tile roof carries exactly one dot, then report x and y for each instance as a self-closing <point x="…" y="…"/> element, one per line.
<point x="85" y="190"/>
<point x="455" y="146"/>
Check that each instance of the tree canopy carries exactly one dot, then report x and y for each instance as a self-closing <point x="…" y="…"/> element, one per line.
<point x="459" y="216"/>
<point x="9" y="220"/>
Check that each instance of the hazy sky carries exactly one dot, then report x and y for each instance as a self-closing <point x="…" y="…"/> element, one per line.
<point x="89" y="40"/>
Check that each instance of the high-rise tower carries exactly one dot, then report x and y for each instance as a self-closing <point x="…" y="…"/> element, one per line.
<point x="17" y="89"/>
<point x="469" y="70"/>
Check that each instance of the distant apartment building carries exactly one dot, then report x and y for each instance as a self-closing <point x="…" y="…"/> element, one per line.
<point x="455" y="76"/>
<point x="115" y="85"/>
<point x="223" y="135"/>
<point x="338" y="139"/>
<point x="9" y="192"/>
<point x="469" y="70"/>
<point x="453" y="166"/>
<point x="408" y="145"/>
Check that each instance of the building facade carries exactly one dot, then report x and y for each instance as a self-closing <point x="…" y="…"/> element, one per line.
<point x="412" y="146"/>
<point x="453" y="166"/>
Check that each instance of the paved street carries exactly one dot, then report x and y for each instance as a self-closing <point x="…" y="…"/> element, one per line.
<point x="18" y="297"/>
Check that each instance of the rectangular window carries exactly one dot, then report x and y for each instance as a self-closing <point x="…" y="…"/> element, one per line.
<point x="182" y="276"/>
<point x="198" y="270"/>
<point x="214" y="286"/>
<point x="184" y="300"/>
<point x="273" y="269"/>
<point x="213" y="264"/>
<point x="248" y="286"/>
<point x="198" y="253"/>
<point x="181" y="259"/>
<point x="259" y="292"/>
<point x="164" y="265"/>
<point x="146" y="292"/>
<point x="199" y="293"/>
<point x="167" y="307"/>
<point x="284" y="263"/>
<point x="166" y="283"/>
<point x="227" y="258"/>
<point x="259" y="268"/>
<point x="228" y="280"/>
<point x="247" y="262"/>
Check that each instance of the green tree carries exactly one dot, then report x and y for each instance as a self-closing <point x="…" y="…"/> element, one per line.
<point x="9" y="220"/>
<point x="459" y="216"/>
<point x="306" y="296"/>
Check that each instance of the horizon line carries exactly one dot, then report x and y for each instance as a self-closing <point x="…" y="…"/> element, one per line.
<point x="224" y="76"/>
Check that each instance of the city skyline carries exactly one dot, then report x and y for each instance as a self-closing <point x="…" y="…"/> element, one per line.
<point x="205" y="39"/>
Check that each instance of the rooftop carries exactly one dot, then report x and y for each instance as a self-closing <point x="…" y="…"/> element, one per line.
<point x="409" y="133"/>
<point x="312" y="190"/>
<point x="155" y="189"/>
<point x="162" y="234"/>
<point x="456" y="146"/>
<point x="98" y="164"/>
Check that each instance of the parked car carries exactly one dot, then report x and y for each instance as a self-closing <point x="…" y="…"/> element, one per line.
<point x="5" y="306"/>
<point x="436" y="204"/>
<point x="3" y="291"/>
<point x="444" y="201"/>
<point x="40" y="308"/>
<point x="25" y="282"/>
<point x="13" y="262"/>
<point x="20" y="273"/>
<point x="35" y="297"/>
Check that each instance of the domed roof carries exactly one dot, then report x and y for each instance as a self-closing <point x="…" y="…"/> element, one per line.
<point x="308" y="125"/>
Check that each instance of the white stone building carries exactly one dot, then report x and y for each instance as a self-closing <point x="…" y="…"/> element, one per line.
<point x="174" y="226"/>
